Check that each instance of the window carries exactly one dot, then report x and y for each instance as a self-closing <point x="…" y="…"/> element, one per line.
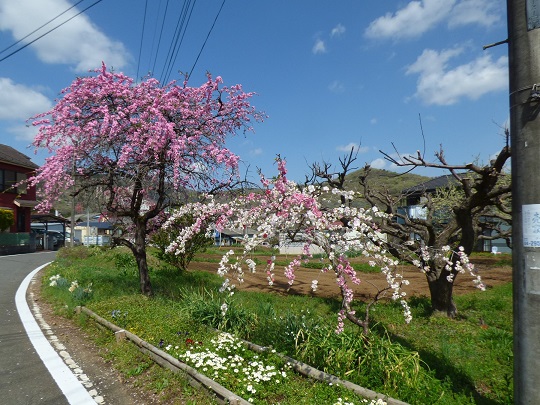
<point x="22" y="187"/>
<point x="8" y="178"/>
<point x="21" y="220"/>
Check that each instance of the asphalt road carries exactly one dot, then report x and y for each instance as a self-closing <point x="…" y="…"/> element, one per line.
<point x="30" y="370"/>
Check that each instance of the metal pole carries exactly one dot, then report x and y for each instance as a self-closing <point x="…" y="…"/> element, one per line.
<point x="524" y="73"/>
<point x="72" y="226"/>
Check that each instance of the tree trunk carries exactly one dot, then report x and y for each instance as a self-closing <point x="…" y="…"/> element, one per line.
<point x="139" y="251"/>
<point x="441" y="294"/>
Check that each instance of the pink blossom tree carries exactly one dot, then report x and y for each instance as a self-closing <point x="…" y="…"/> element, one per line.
<point x="137" y="144"/>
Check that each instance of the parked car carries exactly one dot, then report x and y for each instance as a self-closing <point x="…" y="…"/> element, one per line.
<point x="76" y="241"/>
<point x="55" y="237"/>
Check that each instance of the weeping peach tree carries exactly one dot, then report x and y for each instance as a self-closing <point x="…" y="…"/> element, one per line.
<point x="135" y="145"/>
<point x="283" y="208"/>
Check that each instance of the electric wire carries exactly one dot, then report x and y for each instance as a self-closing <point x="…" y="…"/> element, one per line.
<point x="177" y="50"/>
<point x="48" y="32"/>
<point x="160" y="36"/>
<point x="142" y="38"/>
<point x="40" y="27"/>
<point x="206" y="40"/>
<point x="172" y="45"/>
<point x="176" y="41"/>
<point x="151" y="53"/>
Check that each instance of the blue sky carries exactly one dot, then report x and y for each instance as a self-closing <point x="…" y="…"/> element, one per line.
<point x="328" y="74"/>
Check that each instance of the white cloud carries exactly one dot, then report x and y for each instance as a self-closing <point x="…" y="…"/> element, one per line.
<point x="378" y="163"/>
<point x="382" y="163"/>
<point x="410" y="21"/>
<point x="78" y="42"/>
<point x="439" y="84"/>
<point x="23" y="132"/>
<point x="18" y="102"/>
<point x="336" y="87"/>
<point x="319" y="47"/>
<point x="357" y="148"/>
<point x="337" y="31"/>
<point x="482" y="12"/>
<point x="256" y="152"/>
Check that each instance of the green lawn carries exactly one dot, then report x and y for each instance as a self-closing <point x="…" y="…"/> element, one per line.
<point x="432" y="360"/>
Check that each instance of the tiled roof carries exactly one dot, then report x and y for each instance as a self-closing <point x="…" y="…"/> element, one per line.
<point x="432" y="184"/>
<point x="14" y="157"/>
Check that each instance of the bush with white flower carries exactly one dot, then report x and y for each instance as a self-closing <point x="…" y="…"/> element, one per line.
<point x="225" y="359"/>
<point x="80" y="294"/>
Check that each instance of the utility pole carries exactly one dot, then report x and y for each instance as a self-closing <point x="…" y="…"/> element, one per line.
<point x="524" y="71"/>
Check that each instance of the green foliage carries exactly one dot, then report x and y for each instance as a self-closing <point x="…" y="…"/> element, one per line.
<point x="209" y="307"/>
<point x="125" y="262"/>
<point x="163" y="238"/>
<point x="171" y="389"/>
<point x="7" y="219"/>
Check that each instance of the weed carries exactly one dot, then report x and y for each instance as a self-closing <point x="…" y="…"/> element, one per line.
<point x="125" y="262"/>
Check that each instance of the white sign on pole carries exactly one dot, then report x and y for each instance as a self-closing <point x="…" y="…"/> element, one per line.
<point x="531" y="225"/>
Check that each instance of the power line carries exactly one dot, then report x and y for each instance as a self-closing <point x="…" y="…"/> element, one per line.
<point x="48" y="32"/>
<point x="142" y="37"/>
<point x="37" y="29"/>
<point x="176" y="41"/>
<point x="206" y="40"/>
<point x="151" y="54"/>
<point x="177" y="50"/>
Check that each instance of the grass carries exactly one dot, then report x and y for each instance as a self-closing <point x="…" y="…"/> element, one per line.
<point x="432" y="360"/>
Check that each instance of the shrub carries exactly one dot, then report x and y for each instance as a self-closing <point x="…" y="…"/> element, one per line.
<point x="6" y="219"/>
<point x="163" y="238"/>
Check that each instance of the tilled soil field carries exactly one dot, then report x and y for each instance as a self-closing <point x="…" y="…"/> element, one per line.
<point x="489" y="268"/>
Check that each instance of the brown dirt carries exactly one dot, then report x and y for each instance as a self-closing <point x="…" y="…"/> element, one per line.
<point x="485" y="266"/>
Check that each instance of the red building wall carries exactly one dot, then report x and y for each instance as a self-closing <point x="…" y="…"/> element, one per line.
<point x="20" y="200"/>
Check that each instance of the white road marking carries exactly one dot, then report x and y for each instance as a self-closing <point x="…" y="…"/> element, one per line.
<point x="68" y="383"/>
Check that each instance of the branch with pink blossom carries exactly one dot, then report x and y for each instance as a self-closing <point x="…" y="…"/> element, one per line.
<point x="282" y="207"/>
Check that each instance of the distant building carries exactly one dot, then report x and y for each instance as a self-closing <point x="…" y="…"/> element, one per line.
<point x="95" y="229"/>
<point x="16" y="167"/>
<point x="414" y="206"/>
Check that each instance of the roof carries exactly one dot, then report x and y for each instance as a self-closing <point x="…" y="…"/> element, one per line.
<point x="45" y="218"/>
<point x="432" y="184"/>
<point x="14" y="157"/>
<point x="95" y="224"/>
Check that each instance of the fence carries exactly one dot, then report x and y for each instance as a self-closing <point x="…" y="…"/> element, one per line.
<point x="13" y="243"/>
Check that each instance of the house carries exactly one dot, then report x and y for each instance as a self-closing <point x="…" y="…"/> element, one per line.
<point x="413" y="206"/>
<point x="94" y="229"/>
<point x="15" y="167"/>
<point x="414" y="199"/>
<point x="231" y="237"/>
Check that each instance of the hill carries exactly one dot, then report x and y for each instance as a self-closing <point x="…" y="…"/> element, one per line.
<point x="381" y="179"/>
